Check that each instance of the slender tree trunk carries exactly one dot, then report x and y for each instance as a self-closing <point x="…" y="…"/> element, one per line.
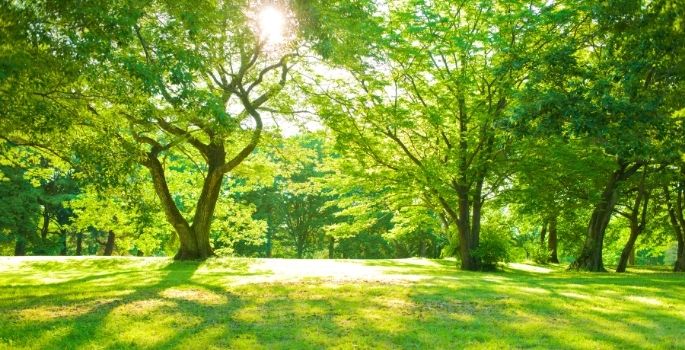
<point x="46" y="225"/>
<point x="543" y="234"/>
<point x="553" y="240"/>
<point x="675" y="215"/>
<point x="79" y="244"/>
<point x="173" y="215"/>
<point x="63" y="240"/>
<point x="630" y="245"/>
<point x="20" y="244"/>
<point x="331" y="247"/>
<point x="590" y="257"/>
<point x="468" y="262"/>
<point x="631" y="257"/>
<point x="109" y="246"/>
<point x="679" y="265"/>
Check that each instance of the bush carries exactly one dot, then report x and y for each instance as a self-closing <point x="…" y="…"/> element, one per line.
<point x="492" y="250"/>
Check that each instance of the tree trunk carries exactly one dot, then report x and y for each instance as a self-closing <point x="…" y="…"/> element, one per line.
<point x="194" y="240"/>
<point x="46" y="225"/>
<point x="63" y="240"/>
<point x="631" y="257"/>
<point x="79" y="244"/>
<point x="590" y="257"/>
<point x="675" y="215"/>
<point x="543" y="234"/>
<point x="331" y="247"/>
<point x="553" y="240"/>
<point x="630" y="245"/>
<point x="20" y="245"/>
<point x="109" y="246"/>
<point x="679" y="265"/>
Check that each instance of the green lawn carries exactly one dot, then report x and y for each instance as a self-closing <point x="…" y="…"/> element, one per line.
<point x="119" y="303"/>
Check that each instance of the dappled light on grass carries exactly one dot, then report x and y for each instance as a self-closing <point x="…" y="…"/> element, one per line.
<point x="380" y="304"/>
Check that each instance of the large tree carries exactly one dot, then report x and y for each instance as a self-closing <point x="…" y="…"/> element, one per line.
<point x="427" y="105"/>
<point x="155" y="79"/>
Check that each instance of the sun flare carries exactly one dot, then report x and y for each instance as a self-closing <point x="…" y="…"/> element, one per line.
<point x="271" y="24"/>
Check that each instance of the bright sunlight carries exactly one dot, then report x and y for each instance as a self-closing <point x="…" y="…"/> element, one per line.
<point x="271" y="25"/>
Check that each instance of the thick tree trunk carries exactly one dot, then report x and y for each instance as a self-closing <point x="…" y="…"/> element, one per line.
<point x="590" y="257"/>
<point x="79" y="244"/>
<point x="109" y="246"/>
<point x="331" y="247"/>
<point x="194" y="239"/>
<point x="553" y="240"/>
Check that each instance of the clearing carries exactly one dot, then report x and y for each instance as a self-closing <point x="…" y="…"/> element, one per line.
<point x="155" y="303"/>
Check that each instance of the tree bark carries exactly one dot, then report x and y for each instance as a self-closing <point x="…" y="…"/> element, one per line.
<point x="590" y="257"/>
<point x="553" y="240"/>
<point x="543" y="234"/>
<point x="109" y="246"/>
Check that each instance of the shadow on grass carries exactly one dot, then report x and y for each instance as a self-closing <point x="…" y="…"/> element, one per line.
<point x="189" y="305"/>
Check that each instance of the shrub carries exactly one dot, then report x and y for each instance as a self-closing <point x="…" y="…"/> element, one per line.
<point x="492" y="250"/>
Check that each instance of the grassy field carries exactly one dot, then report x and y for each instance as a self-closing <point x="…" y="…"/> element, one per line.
<point x="154" y="303"/>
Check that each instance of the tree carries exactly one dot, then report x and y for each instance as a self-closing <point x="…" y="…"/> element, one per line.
<point x="148" y="97"/>
<point x="428" y="105"/>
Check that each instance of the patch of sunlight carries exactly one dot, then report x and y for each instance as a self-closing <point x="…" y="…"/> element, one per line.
<point x="142" y="307"/>
<point x="291" y="270"/>
<point x="495" y="279"/>
<point x="47" y="339"/>
<point x="195" y="294"/>
<point x="575" y="295"/>
<point x="534" y="290"/>
<point x="199" y="339"/>
<point x="47" y="313"/>
<point x="529" y="268"/>
<point x="248" y="314"/>
<point x="245" y="341"/>
<point x="645" y="300"/>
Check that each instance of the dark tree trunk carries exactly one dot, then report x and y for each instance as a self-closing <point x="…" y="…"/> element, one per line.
<point x="20" y="245"/>
<point x="79" y="244"/>
<point x="553" y="240"/>
<point x="679" y="265"/>
<point x="194" y="239"/>
<point x="625" y="254"/>
<point x="63" y="241"/>
<point x="109" y="246"/>
<point x="675" y="214"/>
<point x="590" y="257"/>
<point x="543" y="234"/>
<point x="638" y="221"/>
<point x="331" y="247"/>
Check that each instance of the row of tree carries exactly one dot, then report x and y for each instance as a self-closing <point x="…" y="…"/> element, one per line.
<point x="457" y="128"/>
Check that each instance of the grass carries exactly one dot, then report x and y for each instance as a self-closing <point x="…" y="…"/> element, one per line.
<point x="154" y="303"/>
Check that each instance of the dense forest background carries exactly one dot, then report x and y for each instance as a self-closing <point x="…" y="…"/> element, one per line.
<point x="489" y="131"/>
